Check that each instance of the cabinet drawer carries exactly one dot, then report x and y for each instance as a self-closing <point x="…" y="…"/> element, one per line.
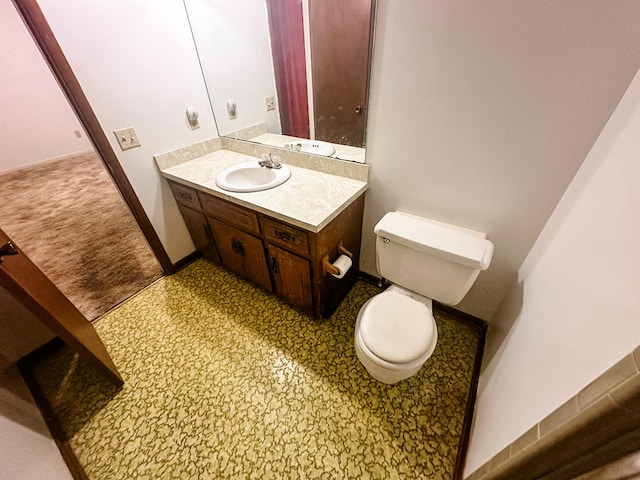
<point x="230" y="214"/>
<point x="185" y="195"/>
<point x="292" y="238"/>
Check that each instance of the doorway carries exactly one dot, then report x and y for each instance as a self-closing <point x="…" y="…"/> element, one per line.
<point x="59" y="202"/>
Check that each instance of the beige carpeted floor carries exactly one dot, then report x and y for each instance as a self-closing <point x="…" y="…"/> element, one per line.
<point x="225" y="381"/>
<point x="69" y="218"/>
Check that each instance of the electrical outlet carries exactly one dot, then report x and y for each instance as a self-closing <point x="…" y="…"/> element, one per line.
<point x="270" y="103"/>
<point x="127" y="138"/>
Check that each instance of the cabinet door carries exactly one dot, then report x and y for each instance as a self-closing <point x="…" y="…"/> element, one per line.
<point x="291" y="277"/>
<point x="200" y="233"/>
<point x="227" y="246"/>
<point x="255" y="264"/>
<point x="241" y="253"/>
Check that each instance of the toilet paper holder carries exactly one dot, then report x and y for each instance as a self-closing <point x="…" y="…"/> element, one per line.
<point x="328" y="267"/>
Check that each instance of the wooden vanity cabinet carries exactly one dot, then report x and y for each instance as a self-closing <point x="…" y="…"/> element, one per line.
<point x="275" y="255"/>
<point x="346" y="228"/>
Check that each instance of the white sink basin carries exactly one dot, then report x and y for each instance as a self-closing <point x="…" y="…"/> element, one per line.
<point x="251" y="177"/>
<point x="312" y="146"/>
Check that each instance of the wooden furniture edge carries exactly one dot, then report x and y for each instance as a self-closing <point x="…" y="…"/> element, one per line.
<point x="66" y="451"/>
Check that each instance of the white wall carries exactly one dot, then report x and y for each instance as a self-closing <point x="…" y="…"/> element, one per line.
<point x="36" y="121"/>
<point x="137" y="64"/>
<point x="481" y="112"/>
<point x="575" y="310"/>
<point x="235" y="51"/>
<point x="27" y="450"/>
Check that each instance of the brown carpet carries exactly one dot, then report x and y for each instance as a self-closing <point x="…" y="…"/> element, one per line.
<point x="70" y="219"/>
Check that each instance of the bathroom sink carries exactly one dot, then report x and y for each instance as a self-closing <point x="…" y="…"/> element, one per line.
<point x="312" y="146"/>
<point x="251" y="177"/>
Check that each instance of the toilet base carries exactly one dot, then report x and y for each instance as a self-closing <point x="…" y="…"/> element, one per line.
<point x="384" y="375"/>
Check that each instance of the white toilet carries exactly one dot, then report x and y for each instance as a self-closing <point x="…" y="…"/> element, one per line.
<point x="424" y="259"/>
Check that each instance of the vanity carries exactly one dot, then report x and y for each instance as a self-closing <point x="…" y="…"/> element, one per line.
<point x="283" y="239"/>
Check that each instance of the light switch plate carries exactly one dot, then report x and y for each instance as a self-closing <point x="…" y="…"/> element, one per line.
<point x="270" y="103"/>
<point x="127" y="138"/>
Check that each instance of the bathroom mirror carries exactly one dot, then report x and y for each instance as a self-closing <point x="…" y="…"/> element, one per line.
<point x="288" y="73"/>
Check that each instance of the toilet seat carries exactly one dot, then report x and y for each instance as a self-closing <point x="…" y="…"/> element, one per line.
<point x="397" y="328"/>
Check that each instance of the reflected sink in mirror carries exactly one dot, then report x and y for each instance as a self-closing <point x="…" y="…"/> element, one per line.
<point x="312" y="146"/>
<point x="251" y="177"/>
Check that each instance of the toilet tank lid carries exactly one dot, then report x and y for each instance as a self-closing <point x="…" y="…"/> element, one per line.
<point x="451" y="242"/>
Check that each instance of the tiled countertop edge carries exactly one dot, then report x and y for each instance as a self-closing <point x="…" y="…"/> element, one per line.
<point x="598" y="425"/>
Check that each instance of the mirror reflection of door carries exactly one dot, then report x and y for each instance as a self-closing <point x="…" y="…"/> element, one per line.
<point x="340" y="56"/>
<point x="59" y="202"/>
<point x="340" y="34"/>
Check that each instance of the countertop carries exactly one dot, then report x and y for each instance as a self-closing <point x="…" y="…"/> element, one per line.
<point x="309" y="199"/>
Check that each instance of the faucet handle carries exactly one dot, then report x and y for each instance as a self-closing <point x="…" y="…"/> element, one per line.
<point x="275" y="159"/>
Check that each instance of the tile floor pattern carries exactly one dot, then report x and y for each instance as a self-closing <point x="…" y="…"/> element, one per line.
<point x="225" y="381"/>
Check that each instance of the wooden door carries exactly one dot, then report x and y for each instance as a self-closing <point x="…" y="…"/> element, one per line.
<point x="340" y="55"/>
<point x="291" y="277"/>
<point x="200" y="231"/>
<point x="31" y="287"/>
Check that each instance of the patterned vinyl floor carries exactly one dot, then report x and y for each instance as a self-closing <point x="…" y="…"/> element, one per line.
<point x="225" y="381"/>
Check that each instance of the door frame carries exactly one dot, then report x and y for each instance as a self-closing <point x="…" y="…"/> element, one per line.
<point x="44" y="38"/>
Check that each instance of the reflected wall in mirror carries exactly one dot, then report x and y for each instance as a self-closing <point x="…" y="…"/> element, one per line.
<point x="288" y="73"/>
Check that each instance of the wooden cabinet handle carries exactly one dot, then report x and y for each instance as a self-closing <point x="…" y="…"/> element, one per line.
<point x="238" y="247"/>
<point x="207" y="232"/>
<point x="274" y="265"/>
<point x="285" y="236"/>
<point x="185" y="196"/>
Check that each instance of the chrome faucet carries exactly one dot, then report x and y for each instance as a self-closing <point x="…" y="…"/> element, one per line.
<point x="270" y="161"/>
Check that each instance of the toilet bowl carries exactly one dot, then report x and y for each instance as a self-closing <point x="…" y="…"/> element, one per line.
<point x="395" y="334"/>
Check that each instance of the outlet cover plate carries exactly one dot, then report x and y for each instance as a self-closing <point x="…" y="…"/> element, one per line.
<point x="127" y="138"/>
<point x="270" y="103"/>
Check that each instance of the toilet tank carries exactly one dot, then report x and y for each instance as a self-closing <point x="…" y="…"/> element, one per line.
<point x="431" y="258"/>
